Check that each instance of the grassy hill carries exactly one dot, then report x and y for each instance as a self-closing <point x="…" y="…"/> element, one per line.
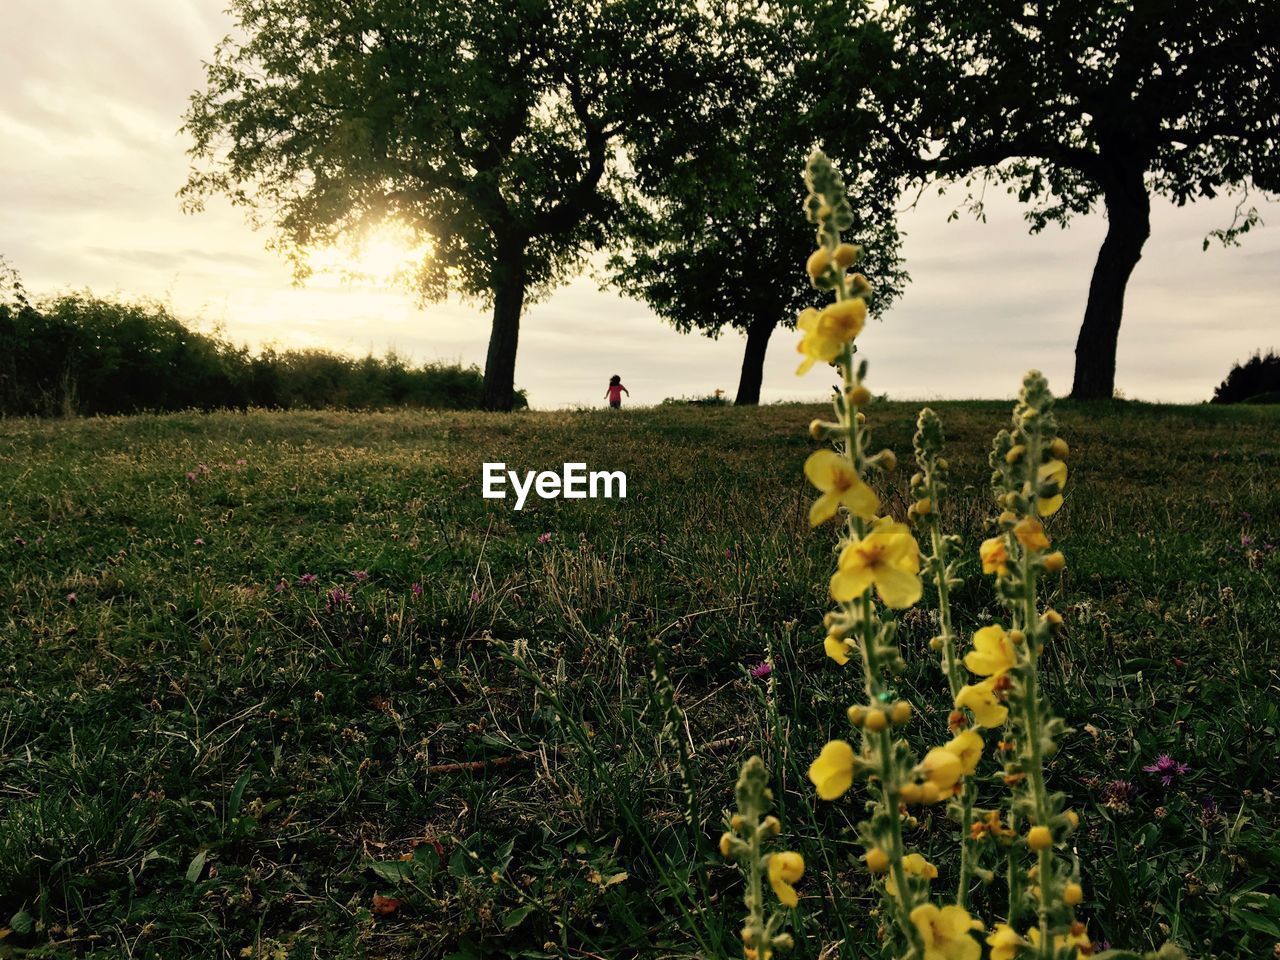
<point x="258" y="697"/>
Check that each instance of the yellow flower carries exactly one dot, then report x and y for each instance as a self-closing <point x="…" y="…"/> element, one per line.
<point x="967" y="745"/>
<point x="837" y="649"/>
<point x="827" y="332"/>
<point x="832" y="772"/>
<point x="995" y="556"/>
<point x="887" y="557"/>
<point x="913" y="865"/>
<point x="945" y="932"/>
<point x="981" y="699"/>
<point x="1030" y="533"/>
<point x="1039" y="838"/>
<point x="1005" y="942"/>
<point x="943" y="769"/>
<point x="1078" y="938"/>
<point x="992" y="652"/>
<point x="784" y="870"/>
<point x="877" y="860"/>
<point x="818" y="262"/>
<point x="1056" y="471"/>
<point x="840" y="486"/>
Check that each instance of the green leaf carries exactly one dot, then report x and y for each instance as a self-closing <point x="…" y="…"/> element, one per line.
<point x="237" y="794"/>
<point x="516" y="917"/>
<point x="22" y="922"/>
<point x="393" y="871"/>
<point x="197" y="866"/>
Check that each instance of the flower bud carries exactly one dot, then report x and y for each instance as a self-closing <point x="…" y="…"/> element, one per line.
<point x="943" y="464"/>
<point x="1008" y="517"/>
<point x="859" y="396"/>
<point x="1015" y="453"/>
<point x="887" y="459"/>
<point x="1073" y="818"/>
<point x="771" y="826"/>
<point x="1072" y="894"/>
<point x="1039" y="838"/>
<point x="1052" y="617"/>
<point x="846" y="255"/>
<point x="817" y="429"/>
<point x="877" y="860"/>
<point x="876" y="720"/>
<point x="726" y="844"/>
<point x="924" y="506"/>
<point x="861" y="417"/>
<point x="1017" y="637"/>
<point x="1059" y="448"/>
<point x="738" y="821"/>
<point x="936" y="643"/>
<point x="783" y="941"/>
<point x="900" y="713"/>
<point x="857" y="715"/>
<point x="818" y="263"/>
<point x="1053" y="562"/>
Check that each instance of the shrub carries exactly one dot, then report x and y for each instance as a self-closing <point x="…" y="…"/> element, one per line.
<point x="80" y="354"/>
<point x="1258" y="381"/>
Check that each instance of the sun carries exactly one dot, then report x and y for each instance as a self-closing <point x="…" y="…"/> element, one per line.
<point x="380" y="256"/>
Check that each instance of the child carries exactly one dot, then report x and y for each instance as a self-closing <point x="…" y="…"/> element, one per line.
<point x="615" y="391"/>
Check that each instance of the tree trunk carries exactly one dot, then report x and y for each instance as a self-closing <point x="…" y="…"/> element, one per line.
<point x="508" y="303"/>
<point x="753" y="360"/>
<point x="1128" y="226"/>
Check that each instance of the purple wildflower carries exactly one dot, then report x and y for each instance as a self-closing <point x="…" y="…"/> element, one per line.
<point x="476" y="596"/>
<point x="241" y="462"/>
<point x="199" y="541"/>
<point x="1167" y="768"/>
<point x="728" y="554"/>
<point x="19" y="541"/>
<point x="544" y="537"/>
<point x="71" y="597"/>
<point x="307" y="579"/>
<point x="762" y="670"/>
<point x="360" y="575"/>
<point x="339" y="597"/>
<point x="415" y="589"/>
<point x="191" y="477"/>
<point x="282" y="586"/>
<point x="1246" y="540"/>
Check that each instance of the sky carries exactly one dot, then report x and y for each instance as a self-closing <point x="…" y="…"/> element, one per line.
<point x="91" y="98"/>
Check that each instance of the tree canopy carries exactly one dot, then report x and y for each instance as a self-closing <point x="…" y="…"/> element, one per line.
<point x="503" y="133"/>
<point x="719" y="240"/>
<point x="1072" y="103"/>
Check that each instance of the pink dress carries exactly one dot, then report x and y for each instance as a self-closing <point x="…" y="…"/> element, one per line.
<point x="615" y="394"/>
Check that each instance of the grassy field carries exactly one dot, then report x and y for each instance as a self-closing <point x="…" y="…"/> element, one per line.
<point x="257" y="697"/>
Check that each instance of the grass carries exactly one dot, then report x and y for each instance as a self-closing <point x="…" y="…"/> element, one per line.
<point x="203" y="755"/>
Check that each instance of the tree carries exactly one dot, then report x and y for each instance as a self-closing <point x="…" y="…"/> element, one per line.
<point x="719" y="239"/>
<point x="497" y="131"/>
<point x="1069" y="103"/>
